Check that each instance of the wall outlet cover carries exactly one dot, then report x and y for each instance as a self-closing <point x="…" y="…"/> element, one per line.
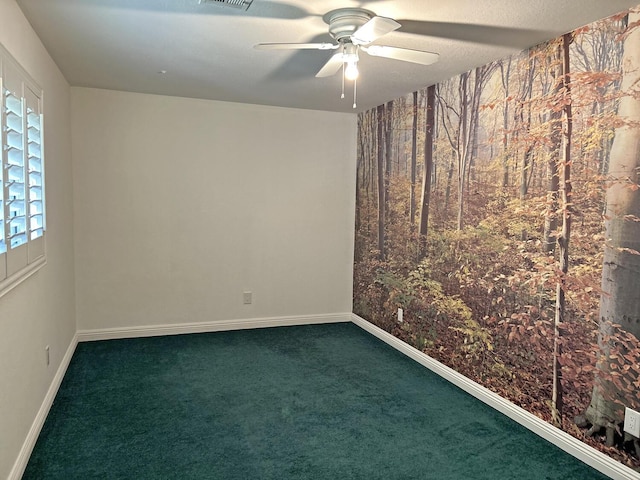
<point x="247" y="298"/>
<point x="632" y="422"/>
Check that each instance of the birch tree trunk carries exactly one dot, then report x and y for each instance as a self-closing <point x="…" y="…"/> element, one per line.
<point x="620" y="300"/>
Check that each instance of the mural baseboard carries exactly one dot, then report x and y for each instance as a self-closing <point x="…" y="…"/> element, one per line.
<point x="27" y="447"/>
<point x="204" y="327"/>
<point x="563" y="440"/>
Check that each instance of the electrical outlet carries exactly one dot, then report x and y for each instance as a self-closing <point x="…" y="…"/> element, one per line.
<point x="400" y="315"/>
<point x="632" y="422"/>
<point x="247" y="298"/>
<point x="46" y="350"/>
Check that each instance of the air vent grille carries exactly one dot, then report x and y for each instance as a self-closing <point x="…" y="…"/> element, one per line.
<point x="237" y="4"/>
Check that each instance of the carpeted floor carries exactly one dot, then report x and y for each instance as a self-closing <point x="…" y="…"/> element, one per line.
<point x="310" y="402"/>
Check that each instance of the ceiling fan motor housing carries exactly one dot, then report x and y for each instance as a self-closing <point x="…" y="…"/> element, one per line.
<point x="345" y="21"/>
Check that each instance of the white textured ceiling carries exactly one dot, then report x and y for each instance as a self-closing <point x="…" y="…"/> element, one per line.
<point x="207" y="50"/>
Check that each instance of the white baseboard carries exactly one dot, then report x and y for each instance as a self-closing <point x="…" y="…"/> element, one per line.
<point x="203" y="327"/>
<point x="27" y="447"/>
<point x="563" y="440"/>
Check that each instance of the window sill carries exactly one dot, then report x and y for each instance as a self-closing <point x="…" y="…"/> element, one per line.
<point x="17" y="278"/>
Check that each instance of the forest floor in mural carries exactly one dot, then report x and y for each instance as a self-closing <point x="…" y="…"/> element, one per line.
<point x="498" y="210"/>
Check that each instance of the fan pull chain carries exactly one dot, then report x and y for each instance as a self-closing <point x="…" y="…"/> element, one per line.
<point x="354" y="92"/>
<point x="342" y="96"/>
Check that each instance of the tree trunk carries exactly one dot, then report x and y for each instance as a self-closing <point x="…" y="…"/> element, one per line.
<point x="620" y="300"/>
<point x="525" y="125"/>
<point x="381" y="183"/>
<point x="563" y="240"/>
<point x="473" y="140"/>
<point x="447" y="191"/>
<point x="414" y="152"/>
<point x="428" y="167"/>
<point x="463" y="150"/>
<point x="553" y="180"/>
<point x="525" y="172"/>
<point x="505" y="74"/>
<point x="360" y="173"/>
<point x="388" y="140"/>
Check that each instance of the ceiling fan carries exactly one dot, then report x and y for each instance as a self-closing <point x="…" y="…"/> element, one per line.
<point x="354" y="29"/>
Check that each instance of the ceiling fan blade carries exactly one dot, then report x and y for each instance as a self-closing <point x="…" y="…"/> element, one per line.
<point x="332" y="66"/>
<point x="295" y="46"/>
<point x="374" y="29"/>
<point x="404" y="54"/>
<point x="484" y="34"/>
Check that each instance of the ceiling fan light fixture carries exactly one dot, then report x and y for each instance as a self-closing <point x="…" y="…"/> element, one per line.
<point x="351" y="70"/>
<point x="350" y="59"/>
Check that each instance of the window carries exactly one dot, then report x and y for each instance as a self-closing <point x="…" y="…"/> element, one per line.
<point x="22" y="196"/>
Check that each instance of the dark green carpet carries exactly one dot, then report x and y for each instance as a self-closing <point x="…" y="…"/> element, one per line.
<point x="312" y="402"/>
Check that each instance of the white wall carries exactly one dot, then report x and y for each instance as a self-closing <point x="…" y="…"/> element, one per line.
<point x="40" y="311"/>
<point x="183" y="204"/>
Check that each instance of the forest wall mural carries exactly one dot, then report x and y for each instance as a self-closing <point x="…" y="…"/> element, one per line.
<point x="500" y="210"/>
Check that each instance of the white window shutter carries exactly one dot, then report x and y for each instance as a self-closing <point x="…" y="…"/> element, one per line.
<point x="22" y="188"/>
<point x="35" y="170"/>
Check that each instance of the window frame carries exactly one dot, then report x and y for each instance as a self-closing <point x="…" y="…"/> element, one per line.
<point x="20" y="261"/>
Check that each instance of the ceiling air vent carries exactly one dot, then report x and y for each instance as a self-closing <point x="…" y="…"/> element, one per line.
<point x="238" y="4"/>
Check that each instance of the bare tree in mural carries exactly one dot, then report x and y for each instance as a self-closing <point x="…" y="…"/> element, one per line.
<point x="382" y="201"/>
<point x="427" y="168"/>
<point x="414" y="154"/>
<point x="388" y="143"/>
<point x="505" y="74"/>
<point x="360" y="173"/>
<point x="620" y="300"/>
<point x="460" y="114"/>
<point x="563" y="238"/>
<point x="523" y="121"/>
<point x="555" y="138"/>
